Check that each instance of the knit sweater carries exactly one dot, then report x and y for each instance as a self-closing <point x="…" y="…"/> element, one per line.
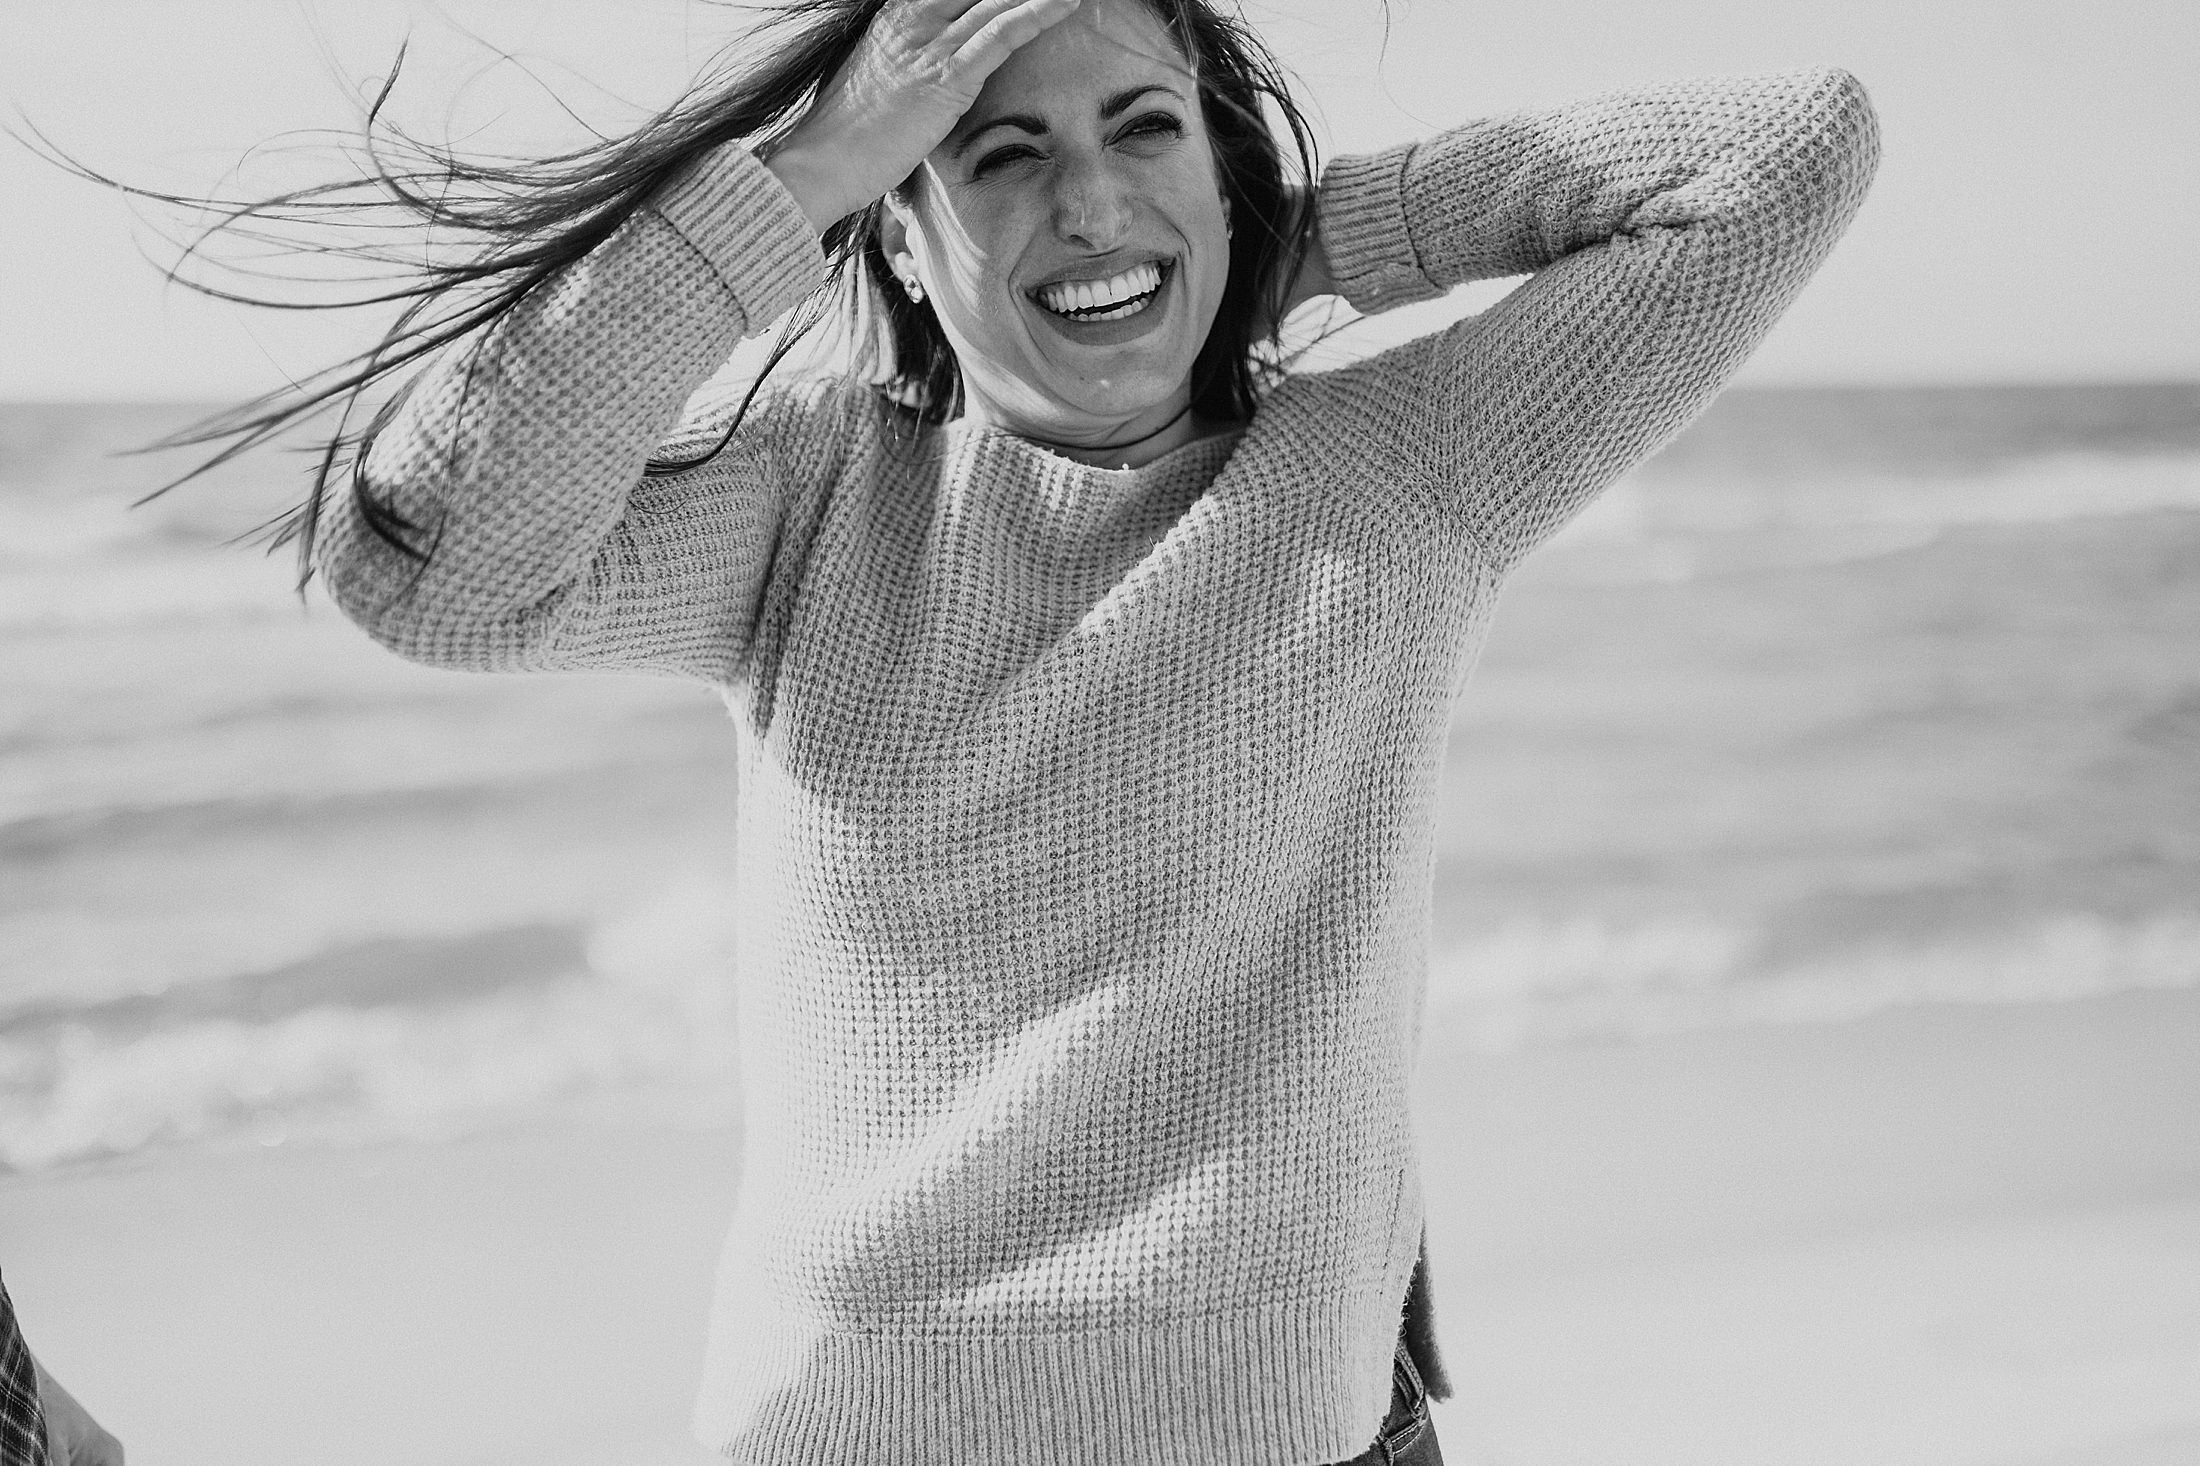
<point x="1086" y="816"/>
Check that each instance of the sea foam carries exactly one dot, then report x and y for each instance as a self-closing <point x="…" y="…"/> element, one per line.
<point x="1531" y="982"/>
<point x="647" y="1017"/>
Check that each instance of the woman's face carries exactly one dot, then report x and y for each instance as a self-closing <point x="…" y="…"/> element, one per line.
<point x="1071" y="233"/>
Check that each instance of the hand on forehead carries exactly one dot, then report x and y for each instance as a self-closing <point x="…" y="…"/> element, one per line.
<point x="1076" y="68"/>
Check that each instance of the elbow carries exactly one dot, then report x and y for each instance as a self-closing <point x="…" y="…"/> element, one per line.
<point x="442" y="631"/>
<point x="371" y="559"/>
<point x="1857" y="126"/>
<point x="408" y="536"/>
<point x="391" y="587"/>
<point x="381" y="559"/>
<point x="1838" y="133"/>
<point x="381" y="592"/>
<point x="1788" y="177"/>
<point x="1796" y="197"/>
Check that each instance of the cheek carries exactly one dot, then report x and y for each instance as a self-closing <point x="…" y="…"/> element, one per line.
<point x="966" y="258"/>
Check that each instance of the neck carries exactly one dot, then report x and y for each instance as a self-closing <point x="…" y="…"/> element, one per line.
<point x="1132" y="444"/>
<point x="1128" y="452"/>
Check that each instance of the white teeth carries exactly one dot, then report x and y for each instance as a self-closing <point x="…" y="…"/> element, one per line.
<point x="1083" y="296"/>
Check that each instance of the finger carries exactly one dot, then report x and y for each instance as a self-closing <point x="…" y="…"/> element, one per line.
<point x="972" y="16"/>
<point x="996" y="28"/>
<point x="938" y="17"/>
<point x="946" y="11"/>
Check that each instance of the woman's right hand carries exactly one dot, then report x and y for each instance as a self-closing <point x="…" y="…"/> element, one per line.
<point x="911" y="78"/>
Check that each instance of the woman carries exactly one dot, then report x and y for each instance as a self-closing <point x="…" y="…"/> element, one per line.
<point x="1091" y="678"/>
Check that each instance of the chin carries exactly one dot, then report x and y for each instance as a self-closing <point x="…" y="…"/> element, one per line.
<point x="1057" y="403"/>
<point x="1121" y="400"/>
<point x="1132" y="382"/>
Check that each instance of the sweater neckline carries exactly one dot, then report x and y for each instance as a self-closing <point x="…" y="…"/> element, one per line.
<point x="1208" y="453"/>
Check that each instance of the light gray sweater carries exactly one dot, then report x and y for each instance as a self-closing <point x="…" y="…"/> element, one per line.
<point x="1086" y="815"/>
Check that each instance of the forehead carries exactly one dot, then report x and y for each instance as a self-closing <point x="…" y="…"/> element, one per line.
<point x="1105" y="46"/>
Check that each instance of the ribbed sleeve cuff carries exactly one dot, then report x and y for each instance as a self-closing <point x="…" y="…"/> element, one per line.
<point x="1365" y="235"/>
<point x="741" y="218"/>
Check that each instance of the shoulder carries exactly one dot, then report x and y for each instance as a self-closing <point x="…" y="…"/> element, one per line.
<point x="791" y="420"/>
<point x="1362" y="415"/>
<point x="1373" y="431"/>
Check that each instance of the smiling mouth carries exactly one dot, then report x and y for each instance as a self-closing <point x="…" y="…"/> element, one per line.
<point x="1115" y="299"/>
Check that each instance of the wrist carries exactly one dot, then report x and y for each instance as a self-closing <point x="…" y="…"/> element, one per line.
<point x="812" y="186"/>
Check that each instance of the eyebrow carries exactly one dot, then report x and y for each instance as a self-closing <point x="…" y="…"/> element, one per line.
<point x="1110" y="109"/>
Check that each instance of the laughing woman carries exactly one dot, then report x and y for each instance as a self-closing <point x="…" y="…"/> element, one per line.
<point x="1091" y="670"/>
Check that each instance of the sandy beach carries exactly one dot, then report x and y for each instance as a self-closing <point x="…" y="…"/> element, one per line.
<point x="1948" y="1236"/>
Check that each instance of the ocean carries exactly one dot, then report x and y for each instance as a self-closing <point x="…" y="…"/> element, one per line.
<point x="1849" y="700"/>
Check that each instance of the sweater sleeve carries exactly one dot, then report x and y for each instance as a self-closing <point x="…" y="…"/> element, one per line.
<point x="517" y="462"/>
<point x="1666" y="229"/>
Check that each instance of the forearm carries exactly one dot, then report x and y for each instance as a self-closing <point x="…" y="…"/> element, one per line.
<point x="1665" y="232"/>
<point x="1766" y="162"/>
<point x="513" y="461"/>
<point x="816" y="183"/>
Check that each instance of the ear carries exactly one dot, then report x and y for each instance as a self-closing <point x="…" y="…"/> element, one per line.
<point x="894" y="222"/>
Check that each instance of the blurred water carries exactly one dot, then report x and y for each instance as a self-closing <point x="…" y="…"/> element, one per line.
<point x="1849" y="700"/>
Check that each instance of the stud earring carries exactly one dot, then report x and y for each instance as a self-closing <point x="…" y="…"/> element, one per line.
<point x="916" y="291"/>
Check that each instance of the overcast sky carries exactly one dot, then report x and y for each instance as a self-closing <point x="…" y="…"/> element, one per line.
<point x="2035" y="218"/>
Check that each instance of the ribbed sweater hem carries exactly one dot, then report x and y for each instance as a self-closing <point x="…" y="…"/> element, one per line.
<point x="1293" y="1384"/>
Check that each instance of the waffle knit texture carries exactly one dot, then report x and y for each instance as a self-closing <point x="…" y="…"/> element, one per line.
<point x="1086" y="816"/>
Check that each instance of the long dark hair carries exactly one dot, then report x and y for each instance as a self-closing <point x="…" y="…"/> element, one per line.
<point x="502" y="227"/>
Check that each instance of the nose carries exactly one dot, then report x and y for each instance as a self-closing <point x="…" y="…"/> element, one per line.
<point x="1092" y="208"/>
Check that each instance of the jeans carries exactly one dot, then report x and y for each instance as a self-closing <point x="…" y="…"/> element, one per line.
<point x="1408" y="1436"/>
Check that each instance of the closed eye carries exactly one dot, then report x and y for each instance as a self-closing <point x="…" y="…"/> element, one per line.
<point x="1002" y="156"/>
<point x="1151" y="127"/>
<point x="1154" y="124"/>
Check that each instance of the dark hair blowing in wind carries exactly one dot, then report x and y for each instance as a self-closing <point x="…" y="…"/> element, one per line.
<point x="502" y="227"/>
